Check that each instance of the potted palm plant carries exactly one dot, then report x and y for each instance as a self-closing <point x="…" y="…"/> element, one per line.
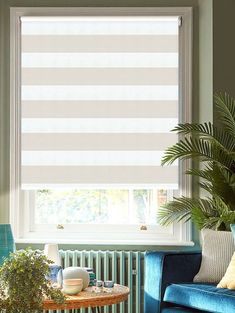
<point x="214" y="149"/>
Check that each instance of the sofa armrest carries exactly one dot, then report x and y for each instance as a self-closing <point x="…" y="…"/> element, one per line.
<point x="164" y="268"/>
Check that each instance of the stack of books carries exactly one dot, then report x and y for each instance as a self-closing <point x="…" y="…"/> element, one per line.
<point x="91" y="274"/>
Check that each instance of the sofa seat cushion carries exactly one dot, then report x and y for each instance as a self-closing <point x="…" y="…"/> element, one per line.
<point x="180" y="310"/>
<point x="199" y="296"/>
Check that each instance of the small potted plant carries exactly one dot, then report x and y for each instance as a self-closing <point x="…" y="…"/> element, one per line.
<point x="23" y="283"/>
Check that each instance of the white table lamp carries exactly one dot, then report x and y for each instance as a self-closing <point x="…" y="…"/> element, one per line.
<point x="52" y="252"/>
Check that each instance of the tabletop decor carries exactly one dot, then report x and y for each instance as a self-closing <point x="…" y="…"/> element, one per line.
<point x="89" y="299"/>
<point x="23" y="283"/>
<point x="72" y="286"/>
<point x="74" y="272"/>
<point x="92" y="275"/>
<point x="51" y="251"/>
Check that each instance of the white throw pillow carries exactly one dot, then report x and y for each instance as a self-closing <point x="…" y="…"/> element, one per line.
<point x="228" y="281"/>
<point x="217" y="251"/>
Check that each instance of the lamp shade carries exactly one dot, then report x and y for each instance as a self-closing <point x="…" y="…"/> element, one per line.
<point x="52" y="252"/>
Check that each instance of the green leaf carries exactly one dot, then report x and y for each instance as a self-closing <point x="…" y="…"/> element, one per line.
<point x="23" y="283"/>
<point x="194" y="148"/>
<point x="177" y="210"/>
<point x="208" y="132"/>
<point x="206" y="213"/>
<point x="225" y="107"/>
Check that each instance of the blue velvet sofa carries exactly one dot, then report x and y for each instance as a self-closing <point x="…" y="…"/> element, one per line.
<point x="169" y="286"/>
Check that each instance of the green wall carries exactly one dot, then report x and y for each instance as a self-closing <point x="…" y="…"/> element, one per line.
<point x="203" y="72"/>
<point x="205" y="68"/>
<point x="224" y="46"/>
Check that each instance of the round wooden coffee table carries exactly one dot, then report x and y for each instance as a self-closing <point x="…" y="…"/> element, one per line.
<point x="89" y="299"/>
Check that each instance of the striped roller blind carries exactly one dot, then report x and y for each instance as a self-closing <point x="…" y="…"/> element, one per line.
<point x="99" y="98"/>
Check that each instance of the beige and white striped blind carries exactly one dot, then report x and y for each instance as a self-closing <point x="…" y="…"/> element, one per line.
<point x="99" y="98"/>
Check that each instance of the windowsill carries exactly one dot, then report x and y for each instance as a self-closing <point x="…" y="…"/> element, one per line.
<point x="107" y="242"/>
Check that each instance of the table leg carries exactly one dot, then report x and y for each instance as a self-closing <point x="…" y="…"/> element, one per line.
<point x="95" y="309"/>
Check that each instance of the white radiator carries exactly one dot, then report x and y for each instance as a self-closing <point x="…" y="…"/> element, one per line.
<point x="123" y="267"/>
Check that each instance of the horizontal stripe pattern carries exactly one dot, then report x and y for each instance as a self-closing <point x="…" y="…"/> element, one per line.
<point x="83" y="43"/>
<point x="101" y="125"/>
<point x="63" y="92"/>
<point x="101" y="76"/>
<point x="100" y="26"/>
<point x="99" y="109"/>
<point x="120" y="158"/>
<point x="99" y="174"/>
<point x="63" y="186"/>
<point x="99" y="60"/>
<point x="99" y="99"/>
<point x="96" y="141"/>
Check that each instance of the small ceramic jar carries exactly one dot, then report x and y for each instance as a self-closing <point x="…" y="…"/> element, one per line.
<point x="99" y="286"/>
<point x="108" y="286"/>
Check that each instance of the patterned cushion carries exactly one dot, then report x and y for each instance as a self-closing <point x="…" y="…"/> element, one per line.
<point x="217" y="251"/>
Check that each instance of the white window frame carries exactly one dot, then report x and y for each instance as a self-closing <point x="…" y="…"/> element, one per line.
<point x="101" y="231"/>
<point x="178" y="234"/>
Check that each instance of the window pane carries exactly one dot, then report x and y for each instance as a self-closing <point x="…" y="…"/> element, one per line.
<point x="141" y="206"/>
<point x="107" y="206"/>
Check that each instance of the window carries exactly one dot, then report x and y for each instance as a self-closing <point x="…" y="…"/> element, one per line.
<point x="107" y="206"/>
<point x="95" y="95"/>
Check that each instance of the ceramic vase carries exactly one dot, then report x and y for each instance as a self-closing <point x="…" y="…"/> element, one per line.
<point x="74" y="272"/>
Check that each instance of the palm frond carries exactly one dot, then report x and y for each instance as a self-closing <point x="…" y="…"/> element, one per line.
<point x="212" y="172"/>
<point x="209" y="132"/>
<point x="207" y="186"/>
<point x="206" y="213"/>
<point x="216" y="180"/>
<point x="225" y="106"/>
<point x="229" y="176"/>
<point x="201" y="173"/>
<point x="192" y="148"/>
<point x="226" y="214"/>
<point x="180" y="209"/>
<point x="203" y="220"/>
